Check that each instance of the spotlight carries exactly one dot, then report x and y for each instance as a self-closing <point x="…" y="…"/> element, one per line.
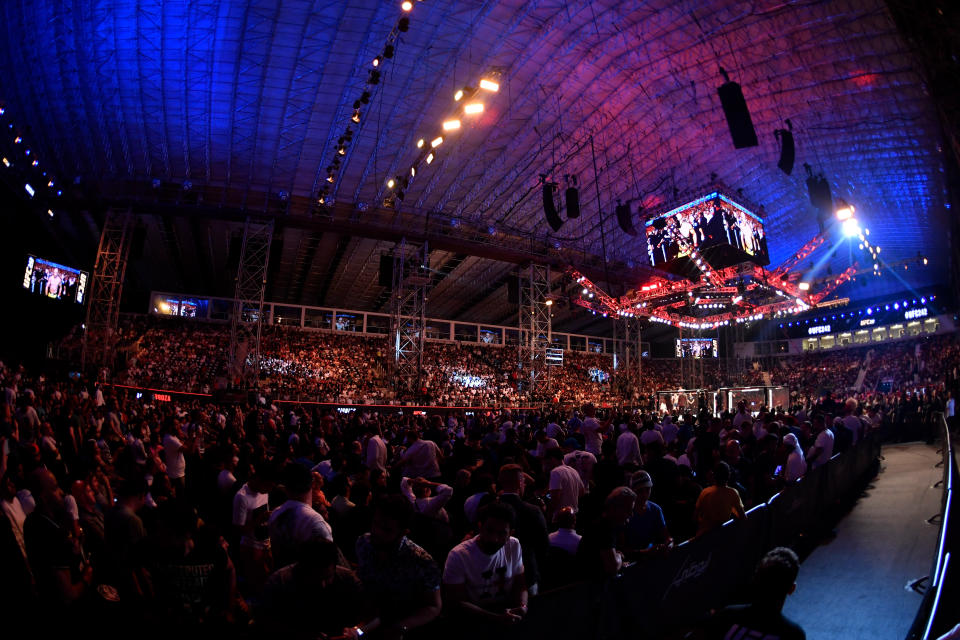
<point x="804" y="286"/>
<point x="356" y="115"/>
<point x="549" y="303"/>
<point x="489" y="85"/>
<point x="458" y="95"/>
<point x="844" y="210"/>
<point x="6" y="163"/>
<point x="419" y="143"/>
<point x="476" y="107"/>
<point x="436" y="142"/>
<point x="330" y="177"/>
<point x="585" y="291"/>
<point x="341" y="150"/>
<point x="376" y="61"/>
<point x="17" y="140"/>
<point x="406" y="5"/>
<point x="429" y="158"/>
<point x="390" y="183"/>
<point x="851" y="228"/>
<point x="35" y="163"/>
<point x="50" y="213"/>
<point x="413" y="172"/>
<point x="451" y="125"/>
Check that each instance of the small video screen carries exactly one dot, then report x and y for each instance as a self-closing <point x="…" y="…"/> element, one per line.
<point x="697" y="348"/>
<point x="48" y="279"/>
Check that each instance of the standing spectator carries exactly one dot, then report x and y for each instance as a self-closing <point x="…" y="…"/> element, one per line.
<point x="646" y="529"/>
<point x="422" y="457"/>
<point x="531" y="527"/>
<point x="718" y="503"/>
<point x="566" y="537"/>
<point x="400" y="578"/>
<point x="628" y="446"/>
<point x="565" y="488"/>
<point x="484" y="576"/>
<point x="598" y="555"/>
<point x="593" y="429"/>
<point x="295" y="522"/>
<point x="173" y="458"/>
<point x="375" y="452"/>
<point x="774" y="580"/>
<point x="124" y="536"/>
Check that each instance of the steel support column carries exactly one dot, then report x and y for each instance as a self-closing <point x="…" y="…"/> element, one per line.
<point x="535" y="330"/>
<point x="246" y="322"/>
<point x="103" y="307"/>
<point x="408" y="309"/>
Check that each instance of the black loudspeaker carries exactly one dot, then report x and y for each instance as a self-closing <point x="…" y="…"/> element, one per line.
<point x="624" y="219"/>
<point x="738" y="116"/>
<point x="573" y="202"/>
<point x="513" y="290"/>
<point x="550" y="208"/>
<point x="386" y="271"/>
<point x="788" y="151"/>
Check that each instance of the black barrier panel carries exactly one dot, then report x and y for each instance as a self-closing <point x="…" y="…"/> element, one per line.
<point x="832" y="488"/>
<point x="705" y="573"/>
<point x="792" y="511"/>
<point x="569" y="612"/>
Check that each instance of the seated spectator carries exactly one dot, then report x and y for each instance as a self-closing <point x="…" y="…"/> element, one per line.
<point x="566" y="537"/>
<point x="774" y="580"/>
<point x="400" y="578"/>
<point x="313" y="597"/>
<point x="646" y="530"/>
<point x="484" y="576"/>
<point x="598" y="554"/>
<point x="796" y="466"/>
<point x="822" y="450"/>
<point x="295" y="522"/>
<point x="718" y="503"/>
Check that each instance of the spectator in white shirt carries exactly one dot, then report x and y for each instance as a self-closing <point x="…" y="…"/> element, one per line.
<point x="796" y="465"/>
<point x="375" y="453"/>
<point x="566" y="536"/>
<point x="544" y="442"/>
<point x="420" y="493"/>
<point x="295" y="521"/>
<point x="822" y="449"/>
<point x="422" y="457"/>
<point x="565" y="486"/>
<point x="628" y="446"/>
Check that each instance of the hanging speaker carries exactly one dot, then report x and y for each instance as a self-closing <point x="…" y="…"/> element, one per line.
<point x="550" y="207"/>
<point x="386" y="271"/>
<point x="738" y="116"/>
<point x="624" y="219"/>
<point x="573" y="202"/>
<point x="788" y="151"/>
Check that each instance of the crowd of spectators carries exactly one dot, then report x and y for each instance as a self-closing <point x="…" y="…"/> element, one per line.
<point x="277" y="517"/>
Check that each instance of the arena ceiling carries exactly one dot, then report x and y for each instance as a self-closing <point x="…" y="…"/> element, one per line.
<point x="198" y="111"/>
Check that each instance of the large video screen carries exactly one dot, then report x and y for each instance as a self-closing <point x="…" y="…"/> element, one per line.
<point x="56" y="281"/>
<point x="697" y="348"/>
<point x="724" y="232"/>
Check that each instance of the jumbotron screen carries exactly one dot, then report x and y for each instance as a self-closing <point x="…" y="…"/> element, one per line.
<point x="697" y="348"/>
<point x="724" y="232"/>
<point x="55" y="281"/>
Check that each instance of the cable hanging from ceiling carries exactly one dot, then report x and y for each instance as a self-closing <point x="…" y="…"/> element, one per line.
<point x="468" y="105"/>
<point x="374" y="73"/>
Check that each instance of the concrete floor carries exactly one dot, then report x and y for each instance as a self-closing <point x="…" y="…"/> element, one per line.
<point x="854" y="585"/>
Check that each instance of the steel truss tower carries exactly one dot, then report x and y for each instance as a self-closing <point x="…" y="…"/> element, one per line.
<point x="246" y="322"/>
<point x="628" y="370"/>
<point x="534" y="330"/>
<point x="408" y="309"/>
<point x="103" y="306"/>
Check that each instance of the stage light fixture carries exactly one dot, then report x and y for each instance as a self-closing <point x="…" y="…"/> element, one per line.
<point x="406" y="5"/>
<point x="356" y="115"/>
<point x="50" y="213"/>
<point x="376" y="61"/>
<point x="844" y="211"/>
<point x="458" y="95"/>
<point x="436" y="142"/>
<point x="330" y="177"/>
<point x="429" y="158"/>
<point x="403" y="24"/>
<point x="451" y="125"/>
<point x="413" y="172"/>
<point x="17" y="140"/>
<point x="851" y="228"/>
<point x="35" y="163"/>
<point x="473" y="108"/>
<point x="341" y="150"/>
<point x="804" y="286"/>
<point x="390" y="183"/>
<point x="419" y="143"/>
<point x="6" y="162"/>
<point x="549" y="303"/>
<point x="388" y="51"/>
<point x="489" y="85"/>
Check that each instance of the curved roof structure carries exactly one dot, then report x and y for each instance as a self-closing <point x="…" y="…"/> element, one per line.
<point x="243" y="102"/>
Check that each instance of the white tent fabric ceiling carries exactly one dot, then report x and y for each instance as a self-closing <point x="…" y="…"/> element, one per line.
<point x="249" y="97"/>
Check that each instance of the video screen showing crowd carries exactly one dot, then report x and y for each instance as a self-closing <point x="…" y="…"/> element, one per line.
<point x="55" y="281"/>
<point x="723" y="231"/>
<point x="697" y="348"/>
